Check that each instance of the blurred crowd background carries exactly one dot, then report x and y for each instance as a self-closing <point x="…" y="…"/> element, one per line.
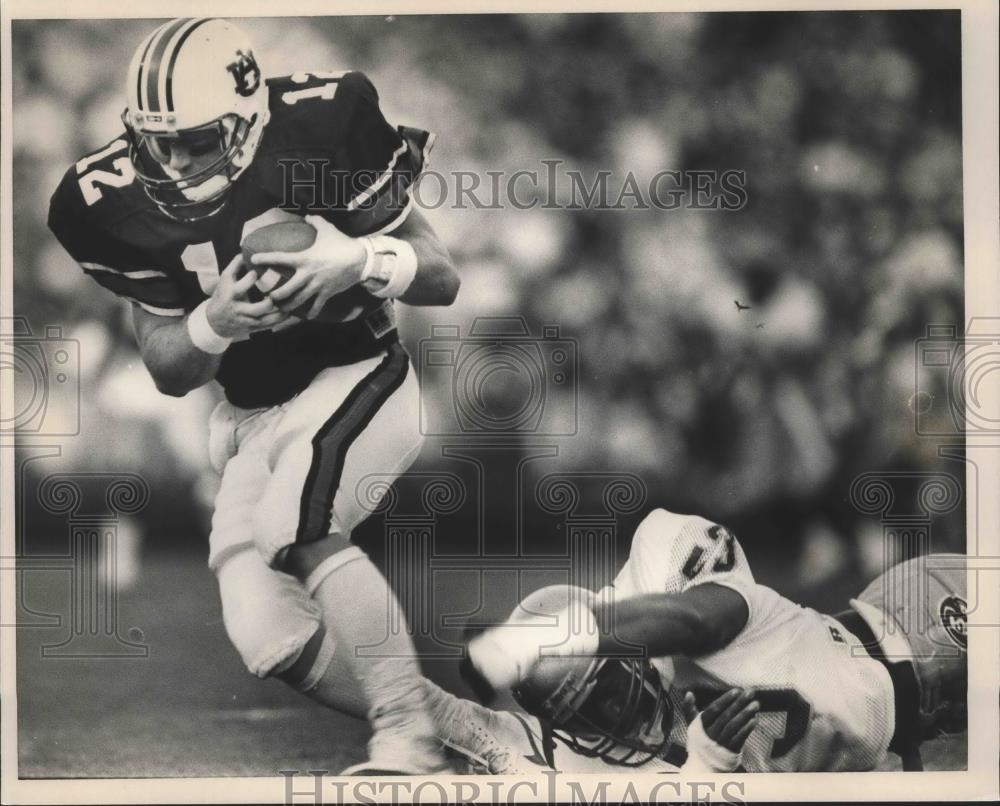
<point x="847" y="126"/>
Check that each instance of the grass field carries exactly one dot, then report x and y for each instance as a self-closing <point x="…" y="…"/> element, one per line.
<point x="189" y="708"/>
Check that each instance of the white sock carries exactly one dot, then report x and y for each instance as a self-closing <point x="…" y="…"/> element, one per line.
<point x="452" y="716"/>
<point x="337" y="686"/>
<point x="357" y="604"/>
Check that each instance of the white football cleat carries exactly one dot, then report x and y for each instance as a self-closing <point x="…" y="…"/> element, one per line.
<point x="505" y="743"/>
<point x="402" y="755"/>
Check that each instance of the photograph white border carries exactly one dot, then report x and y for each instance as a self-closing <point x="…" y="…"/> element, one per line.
<point x="982" y="276"/>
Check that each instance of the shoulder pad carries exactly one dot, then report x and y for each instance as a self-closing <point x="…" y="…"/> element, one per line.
<point x="318" y="86"/>
<point x="315" y="111"/>
<point x="100" y="187"/>
<point x="672" y="551"/>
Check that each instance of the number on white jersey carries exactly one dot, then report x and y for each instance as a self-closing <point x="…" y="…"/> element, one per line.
<point x="787" y="701"/>
<point x="696" y="562"/>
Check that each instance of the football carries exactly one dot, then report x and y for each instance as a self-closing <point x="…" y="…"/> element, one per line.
<point x="294" y="236"/>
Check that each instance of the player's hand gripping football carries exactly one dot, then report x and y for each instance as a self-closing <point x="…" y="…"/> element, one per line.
<point x="717" y="735"/>
<point x="230" y="311"/>
<point x="332" y="264"/>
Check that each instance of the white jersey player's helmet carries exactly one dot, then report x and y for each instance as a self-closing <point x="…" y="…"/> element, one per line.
<point x="612" y="708"/>
<point x="194" y="82"/>
<point x="917" y="611"/>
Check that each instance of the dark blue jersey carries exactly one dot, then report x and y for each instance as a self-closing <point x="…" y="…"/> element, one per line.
<point x="326" y="149"/>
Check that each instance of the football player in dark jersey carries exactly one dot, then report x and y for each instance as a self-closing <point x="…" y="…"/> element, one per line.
<point x="211" y="151"/>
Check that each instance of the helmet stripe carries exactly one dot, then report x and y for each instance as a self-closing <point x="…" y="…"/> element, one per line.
<point x="142" y="62"/>
<point x="168" y="84"/>
<point x="156" y="58"/>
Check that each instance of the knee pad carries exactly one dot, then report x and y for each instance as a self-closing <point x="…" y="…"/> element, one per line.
<point x="269" y="616"/>
<point x="305" y="672"/>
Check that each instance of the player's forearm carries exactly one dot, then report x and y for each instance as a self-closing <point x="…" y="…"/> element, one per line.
<point x="176" y="365"/>
<point x="436" y="281"/>
<point x="663" y="624"/>
<point x="700" y="620"/>
<point x="410" y="264"/>
<point x="704" y="618"/>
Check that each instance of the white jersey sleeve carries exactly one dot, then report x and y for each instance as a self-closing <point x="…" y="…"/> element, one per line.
<point x="671" y="553"/>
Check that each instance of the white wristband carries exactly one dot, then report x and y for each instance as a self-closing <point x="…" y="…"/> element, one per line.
<point x="706" y="755"/>
<point x="390" y="260"/>
<point x="201" y="333"/>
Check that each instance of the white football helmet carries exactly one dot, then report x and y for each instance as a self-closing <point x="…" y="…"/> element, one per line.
<point x="194" y="82"/>
<point x="917" y="610"/>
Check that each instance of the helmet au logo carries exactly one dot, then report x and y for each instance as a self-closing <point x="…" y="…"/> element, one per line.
<point x="246" y="73"/>
<point x="954" y="619"/>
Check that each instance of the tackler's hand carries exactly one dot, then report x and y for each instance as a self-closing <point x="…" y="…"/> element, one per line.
<point x="716" y="736"/>
<point x="729" y="719"/>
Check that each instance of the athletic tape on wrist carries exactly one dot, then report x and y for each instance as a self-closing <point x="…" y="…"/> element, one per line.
<point x="202" y="335"/>
<point x="391" y="260"/>
<point x="706" y="755"/>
